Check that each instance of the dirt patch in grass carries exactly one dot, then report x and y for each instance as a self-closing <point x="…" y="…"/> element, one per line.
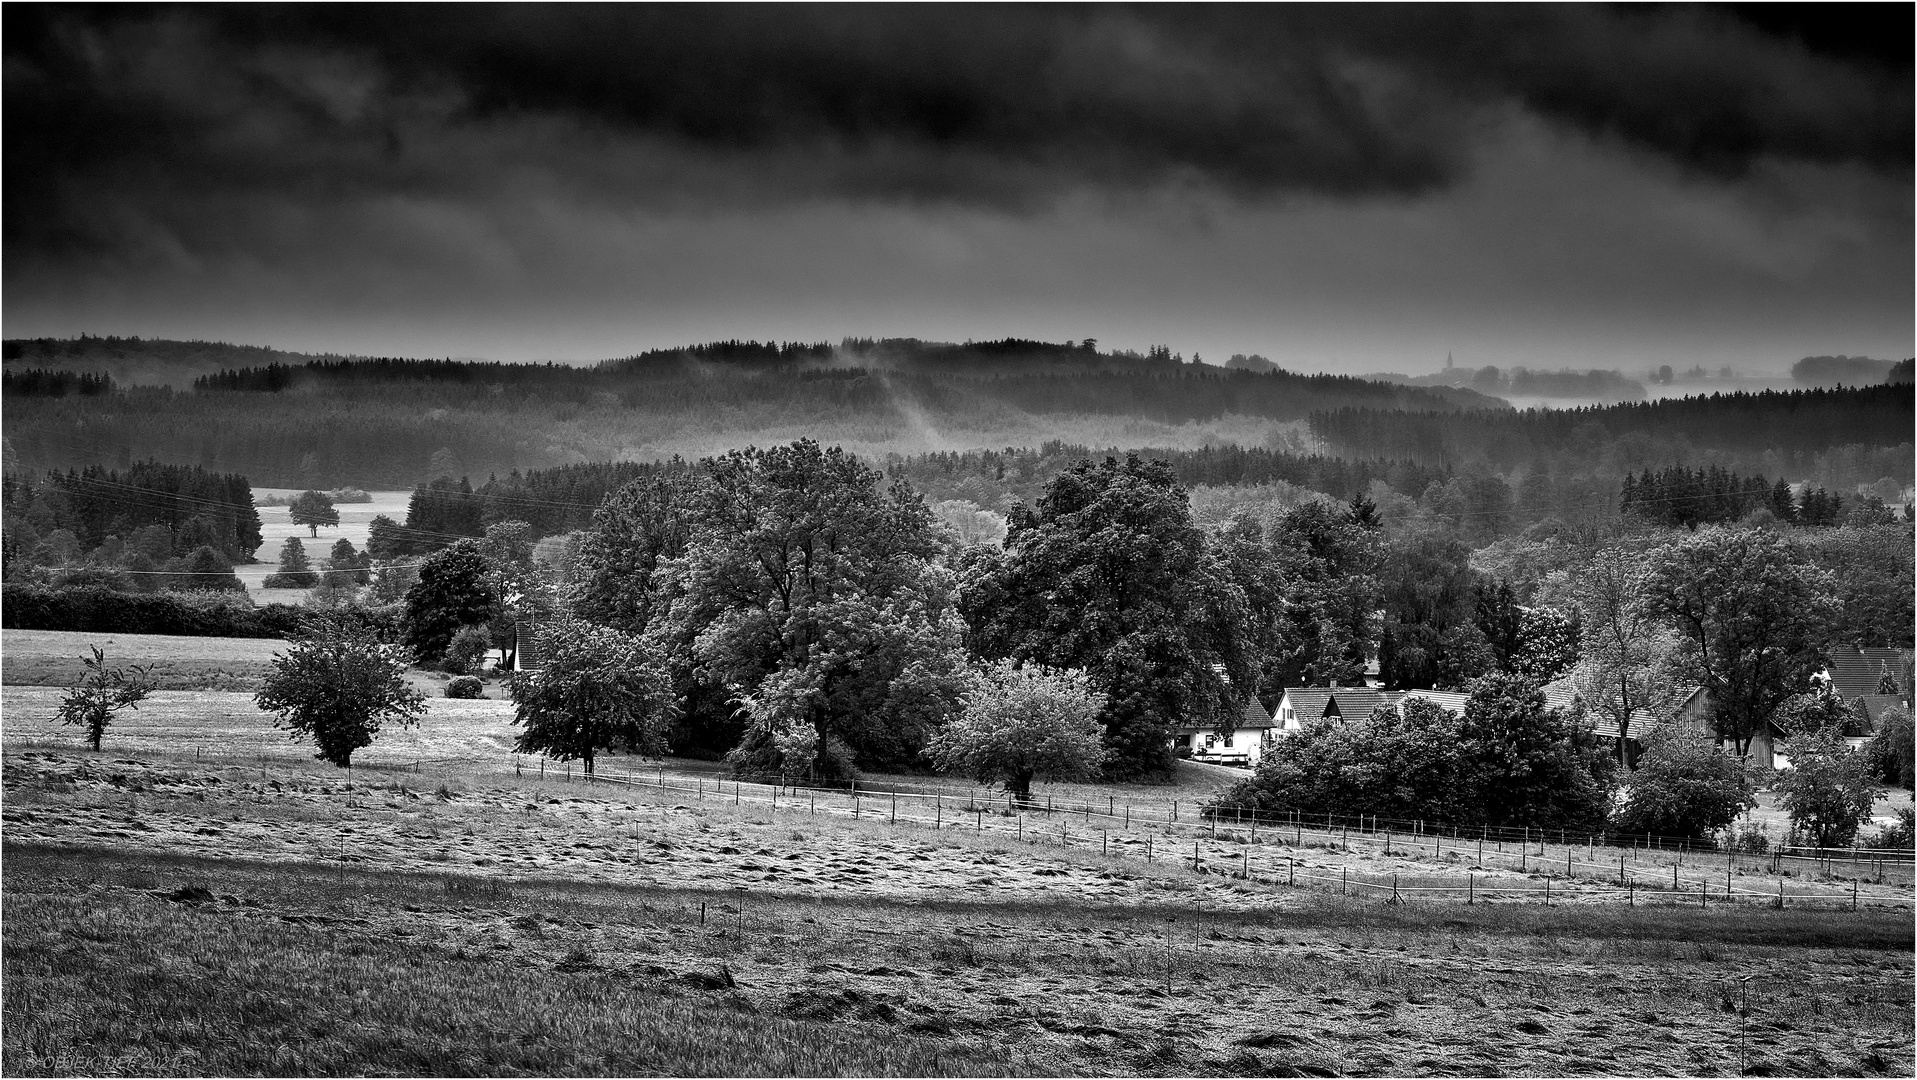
<point x="957" y="954"/>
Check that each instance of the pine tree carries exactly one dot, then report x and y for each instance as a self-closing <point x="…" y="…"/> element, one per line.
<point x="295" y="572"/>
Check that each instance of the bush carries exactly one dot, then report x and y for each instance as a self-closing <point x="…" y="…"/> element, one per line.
<point x="1684" y="786"/>
<point x="1898" y="836"/>
<point x="1751" y="839"/>
<point x="189" y="614"/>
<point x="466" y="686"/>
<point x="1508" y="760"/>
<point x="467" y="652"/>
<point x="762" y="753"/>
<point x="1892" y="754"/>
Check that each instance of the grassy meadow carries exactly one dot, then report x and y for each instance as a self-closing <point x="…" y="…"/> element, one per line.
<point x="203" y="897"/>
<point x="171" y="916"/>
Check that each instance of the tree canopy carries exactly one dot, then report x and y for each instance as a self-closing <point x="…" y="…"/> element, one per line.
<point x="1108" y="574"/>
<point x="1752" y="617"/>
<point x="1021" y="724"/>
<point x="338" y="686"/>
<point x="596" y="689"/>
<point x="312" y="509"/>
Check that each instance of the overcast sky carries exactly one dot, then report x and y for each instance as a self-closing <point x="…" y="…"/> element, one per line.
<point x="1352" y="188"/>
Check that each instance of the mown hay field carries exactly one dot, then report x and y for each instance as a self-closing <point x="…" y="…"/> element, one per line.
<point x="57" y="658"/>
<point x="301" y="919"/>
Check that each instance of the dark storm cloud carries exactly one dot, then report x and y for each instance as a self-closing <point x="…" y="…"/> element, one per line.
<point x="110" y="112"/>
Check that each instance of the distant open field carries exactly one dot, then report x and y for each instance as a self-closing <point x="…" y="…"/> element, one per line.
<point x="298" y="918"/>
<point x="56" y="658"/>
<point x="276" y="524"/>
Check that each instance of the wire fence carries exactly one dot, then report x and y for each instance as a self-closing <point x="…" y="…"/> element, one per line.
<point x="1493" y="865"/>
<point x="1255" y="854"/>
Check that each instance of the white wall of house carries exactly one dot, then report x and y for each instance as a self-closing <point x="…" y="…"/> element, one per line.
<point x="1239" y="746"/>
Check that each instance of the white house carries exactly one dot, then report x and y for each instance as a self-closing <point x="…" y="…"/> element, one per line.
<point x="1241" y="746"/>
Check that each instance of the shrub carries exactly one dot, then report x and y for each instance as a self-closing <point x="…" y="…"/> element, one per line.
<point x="1684" y="786"/>
<point x="1891" y="751"/>
<point x="467" y="650"/>
<point x="763" y="753"/>
<point x="466" y="686"/>
<point x="101" y="693"/>
<point x="1899" y="835"/>
<point x="196" y="613"/>
<point x="1507" y="760"/>
<point x="1751" y="839"/>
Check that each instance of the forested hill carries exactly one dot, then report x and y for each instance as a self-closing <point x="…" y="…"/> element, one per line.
<point x="378" y="422"/>
<point x="1764" y="432"/>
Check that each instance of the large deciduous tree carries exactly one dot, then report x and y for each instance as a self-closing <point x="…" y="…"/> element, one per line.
<point x="596" y="689"/>
<point x="1752" y="618"/>
<point x="1021" y="724"/>
<point x="313" y="509"/>
<point x="1109" y="575"/>
<point x="1628" y="660"/>
<point x="454" y="590"/>
<point x="338" y="686"/>
<point x="1830" y="789"/>
<point x="1431" y="637"/>
<point x="808" y="589"/>
<point x="1535" y="765"/>
<point x="1328" y="562"/>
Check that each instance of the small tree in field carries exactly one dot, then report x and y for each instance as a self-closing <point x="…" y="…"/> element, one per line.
<point x="296" y="570"/>
<point x="1829" y="789"/>
<point x="312" y="509"/>
<point x="1685" y="785"/>
<point x="596" y="690"/>
<point x="101" y="693"/>
<point x="338" y="686"/>
<point x="1023" y="723"/>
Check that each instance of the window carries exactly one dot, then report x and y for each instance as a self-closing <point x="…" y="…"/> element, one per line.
<point x="1227" y="742"/>
<point x="1209" y="740"/>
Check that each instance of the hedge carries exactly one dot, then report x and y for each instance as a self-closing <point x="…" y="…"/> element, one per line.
<point x="105" y="611"/>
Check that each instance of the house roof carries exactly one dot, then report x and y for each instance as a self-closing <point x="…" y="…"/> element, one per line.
<point x="1252" y="717"/>
<point x="1562" y="694"/>
<point x="1875" y="705"/>
<point x="1343" y="702"/>
<point x="1856" y="673"/>
<point x="1255" y="715"/>
<point x="1444" y="699"/>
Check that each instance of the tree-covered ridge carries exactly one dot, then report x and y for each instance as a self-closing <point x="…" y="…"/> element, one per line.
<point x="1020" y="472"/>
<point x="1743" y="425"/>
<point x="160" y="510"/>
<point x="41" y="382"/>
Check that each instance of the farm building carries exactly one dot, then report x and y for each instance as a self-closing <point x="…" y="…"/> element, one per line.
<point x="1241" y="746"/>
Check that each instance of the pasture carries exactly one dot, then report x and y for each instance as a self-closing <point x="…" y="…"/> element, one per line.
<point x="205" y="897"/>
<point x="368" y="921"/>
<point x="54" y="658"/>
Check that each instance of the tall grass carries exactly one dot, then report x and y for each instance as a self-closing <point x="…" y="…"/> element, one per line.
<point x="103" y="984"/>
